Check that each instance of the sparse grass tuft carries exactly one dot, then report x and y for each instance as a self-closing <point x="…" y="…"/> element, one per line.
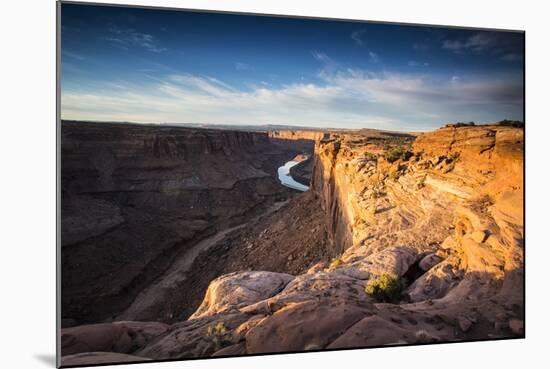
<point x="449" y="168"/>
<point x="370" y="156"/>
<point x="217" y="333"/>
<point x="375" y="194"/>
<point x="393" y="175"/>
<point x="336" y="262"/>
<point x="397" y="153"/>
<point x="385" y="288"/>
<point x="511" y="123"/>
<point x="461" y="124"/>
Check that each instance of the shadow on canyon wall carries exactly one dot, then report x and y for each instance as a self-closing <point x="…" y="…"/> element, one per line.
<point x="136" y="198"/>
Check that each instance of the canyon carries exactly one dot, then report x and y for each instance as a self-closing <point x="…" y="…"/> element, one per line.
<point x="182" y="243"/>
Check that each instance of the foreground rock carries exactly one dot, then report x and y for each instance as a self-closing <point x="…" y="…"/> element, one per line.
<point x="94" y="358"/>
<point x="236" y="290"/>
<point x="121" y="337"/>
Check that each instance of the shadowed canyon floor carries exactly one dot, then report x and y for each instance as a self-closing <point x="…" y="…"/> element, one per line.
<point x="188" y="246"/>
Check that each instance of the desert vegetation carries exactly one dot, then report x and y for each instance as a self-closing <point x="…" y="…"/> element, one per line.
<point x="385" y="288"/>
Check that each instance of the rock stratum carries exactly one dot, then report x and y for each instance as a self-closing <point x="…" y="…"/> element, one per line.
<point x="440" y="211"/>
<point x="136" y="199"/>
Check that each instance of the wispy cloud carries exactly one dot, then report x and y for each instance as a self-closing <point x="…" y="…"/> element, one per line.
<point x="345" y="98"/>
<point x="322" y="57"/>
<point x="374" y="57"/>
<point x="327" y="62"/>
<point x="357" y="37"/>
<point x="72" y="55"/>
<point x="414" y="63"/>
<point x="124" y="38"/>
<point x="477" y="42"/>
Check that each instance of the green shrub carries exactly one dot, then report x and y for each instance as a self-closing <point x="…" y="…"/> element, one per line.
<point x="461" y="124"/>
<point x="384" y="288"/>
<point x="370" y="156"/>
<point x="511" y="123"/>
<point x="336" y="262"/>
<point x="217" y="333"/>
<point x="397" y="153"/>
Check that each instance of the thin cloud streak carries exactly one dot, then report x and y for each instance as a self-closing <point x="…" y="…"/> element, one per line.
<point x="350" y="98"/>
<point x="374" y="57"/>
<point x="129" y="37"/>
<point x="477" y="42"/>
<point x="357" y="37"/>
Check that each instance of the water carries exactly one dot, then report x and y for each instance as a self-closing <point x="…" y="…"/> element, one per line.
<point x="287" y="180"/>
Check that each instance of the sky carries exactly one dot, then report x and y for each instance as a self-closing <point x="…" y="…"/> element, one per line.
<point x="164" y="66"/>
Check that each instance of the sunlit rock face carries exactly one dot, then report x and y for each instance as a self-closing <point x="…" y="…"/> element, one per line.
<point x="441" y="212"/>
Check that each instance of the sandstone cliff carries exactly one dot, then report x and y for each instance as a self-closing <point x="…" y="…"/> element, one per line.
<point x="442" y="211"/>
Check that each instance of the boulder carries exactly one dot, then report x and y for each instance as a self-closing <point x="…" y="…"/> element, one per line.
<point x="464" y="323"/>
<point x="191" y="338"/>
<point x="304" y="325"/>
<point x="237" y="349"/>
<point x="92" y="358"/>
<point x="392" y="260"/>
<point x="429" y="261"/>
<point x="372" y="331"/>
<point x="479" y="236"/>
<point x="104" y="337"/>
<point x="236" y="290"/>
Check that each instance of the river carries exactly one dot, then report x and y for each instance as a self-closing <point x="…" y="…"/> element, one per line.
<point x="287" y="180"/>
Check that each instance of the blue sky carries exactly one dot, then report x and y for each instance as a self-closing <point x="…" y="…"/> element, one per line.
<point x="150" y="65"/>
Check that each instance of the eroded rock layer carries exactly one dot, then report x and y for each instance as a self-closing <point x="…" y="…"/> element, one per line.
<point x="134" y="197"/>
<point x="442" y="212"/>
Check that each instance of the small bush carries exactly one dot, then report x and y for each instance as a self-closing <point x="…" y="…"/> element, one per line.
<point x="460" y="124"/>
<point x="217" y="333"/>
<point x="385" y="288"/>
<point x="393" y="175"/>
<point x="421" y="182"/>
<point x="370" y="156"/>
<point x="449" y="168"/>
<point x="375" y="194"/>
<point x="397" y="153"/>
<point x="336" y="262"/>
<point x="511" y="123"/>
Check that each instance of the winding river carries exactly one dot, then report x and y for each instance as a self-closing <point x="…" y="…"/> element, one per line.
<point x="287" y="180"/>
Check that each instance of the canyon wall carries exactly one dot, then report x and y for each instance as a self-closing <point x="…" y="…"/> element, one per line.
<point x="135" y="196"/>
<point x="298" y="134"/>
<point x="442" y="212"/>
